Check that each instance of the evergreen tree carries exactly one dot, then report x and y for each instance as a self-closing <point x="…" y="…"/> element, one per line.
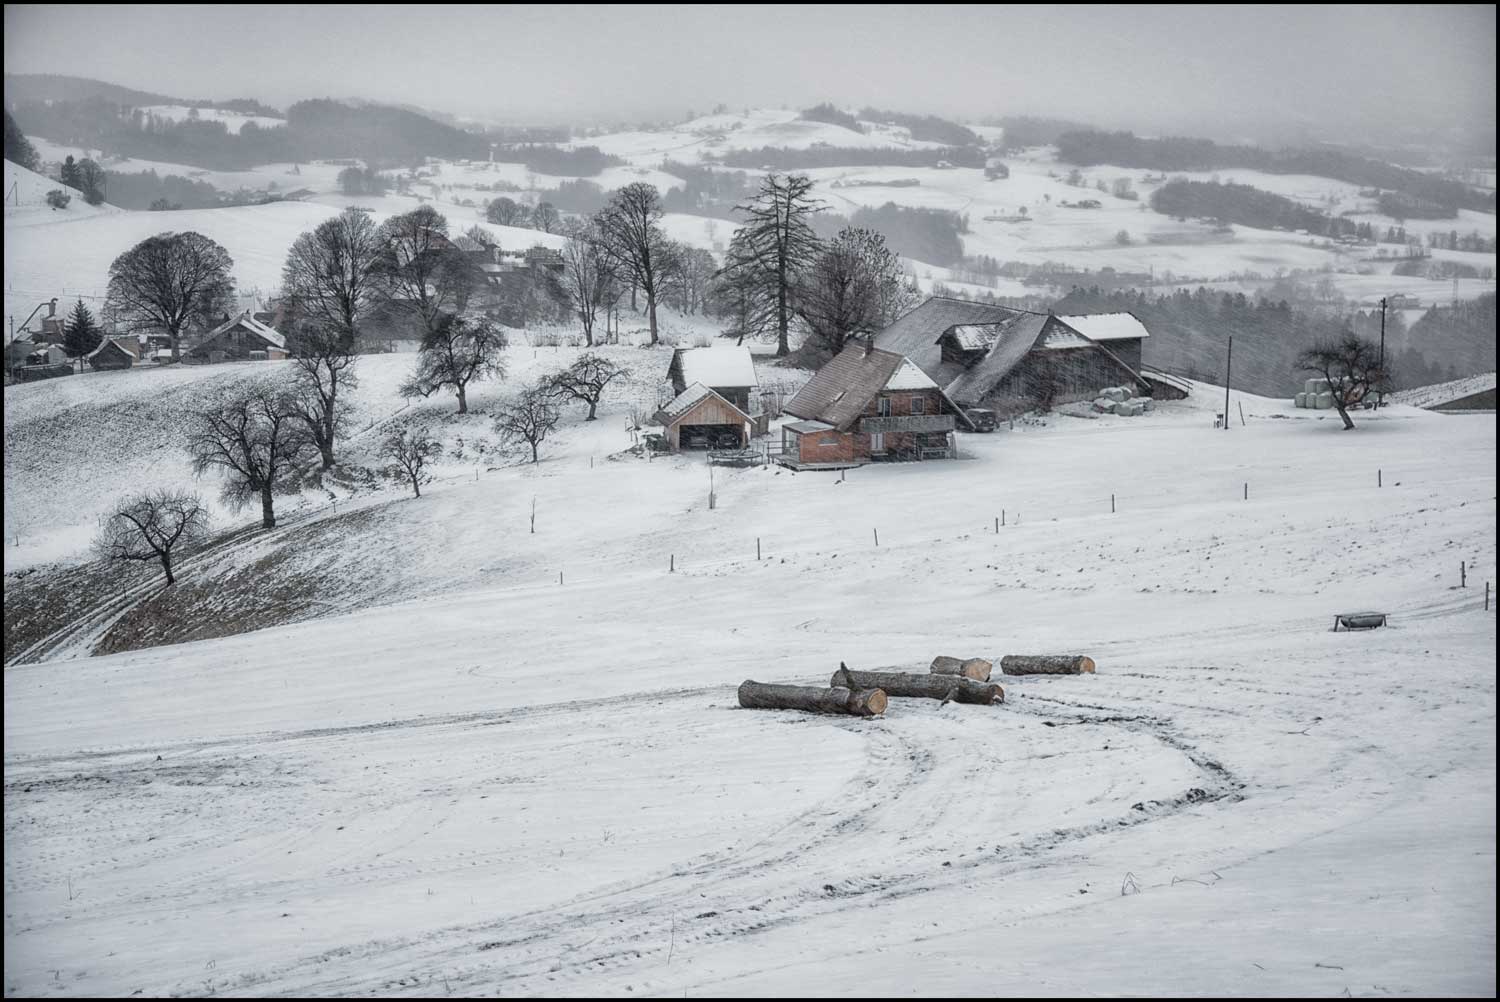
<point x="81" y="333"/>
<point x="18" y="148"/>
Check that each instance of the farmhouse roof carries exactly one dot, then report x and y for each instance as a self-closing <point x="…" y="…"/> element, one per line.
<point x="1012" y="341"/>
<point x="1107" y="326"/>
<point x="721" y="366"/>
<point x="915" y="333"/>
<point x="269" y="334"/>
<point x="838" y="393"/>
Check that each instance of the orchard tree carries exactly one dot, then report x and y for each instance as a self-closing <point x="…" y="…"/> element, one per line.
<point x="169" y="283"/>
<point x="586" y="282"/>
<point x="777" y="244"/>
<point x="151" y="525"/>
<point x="530" y="418"/>
<point x="259" y="444"/>
<point x="91" y="181"/>
<point x="1352" y="367"/>
<point x="630" y="232"/>
<point x="458" y="352"/>
<point x="505" y="212"/>
<point x="81" y="332"/>
<point x="546" y="218"/>
<point x="585" y="380"/>
<point x="408" y="450"/>
<point x="419" y="268"/>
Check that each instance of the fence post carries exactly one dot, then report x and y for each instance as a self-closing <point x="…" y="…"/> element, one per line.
<point x="1111" y="504"/>
<point x="997" y="525"/>
<point x="1247" y="490"/>
<point x="757" y="547"/>
<point x="1486" y="596"/>
<point x="877" y="536"/>
<point x="1463" y="575"/>
<point x="672" y="563"/>
<point x="1378" y="478"/>
<point x="1002" y="516"/>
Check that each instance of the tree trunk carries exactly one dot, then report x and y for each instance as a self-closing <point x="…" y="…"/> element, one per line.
<point x="416" y="486"/>
<point x="977" y="669"/>
<point x="533" y="452"/>
<point x="166" y="565"/>
<point x="172" y="335"/>
<point x="325" y="447"/>
<point x="761" y="696"/>
<point x="651" y="311"/>
<point x="592" y="405"/>
<point x="1348" y="424"/>
<point x="962" y="690"/>
<point x="782" y="349"/>
<point x="1046" y="664"/>
<point x="463" y="400"/>
<point x="267" y="512"/>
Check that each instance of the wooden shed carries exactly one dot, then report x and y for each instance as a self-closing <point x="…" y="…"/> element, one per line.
<point x="699" y="418"/>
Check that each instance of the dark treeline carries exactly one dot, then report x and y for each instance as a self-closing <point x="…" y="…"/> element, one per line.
<point x="1243" y="204"/>
<point x="829" y="115"/>
<point x="1400" y="205"/>
<point x="925" y="128"/>
<point x="707" y="192"/>
<point x="315" y="130"/>
<point x="782" y="158"/>
<point x="1022" y="131"/>
<point x="1176" y="153"/>
<point x="929" y="235"/>
<point x="148" y="189"/>
<point x="582" y="161"/>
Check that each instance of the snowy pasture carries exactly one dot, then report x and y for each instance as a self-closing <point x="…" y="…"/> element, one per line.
<point x="511" y="762"/>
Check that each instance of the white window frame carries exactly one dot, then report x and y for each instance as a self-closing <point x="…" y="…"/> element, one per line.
<point x="877" y="442"/>
<point x="883" y="407"/>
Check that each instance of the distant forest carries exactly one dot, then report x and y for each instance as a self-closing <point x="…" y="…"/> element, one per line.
<point x="1124" y="149"/>
<point x="1243" y="204"/>
<point x="1190" y="331"/>
<point x="924" y="128"/>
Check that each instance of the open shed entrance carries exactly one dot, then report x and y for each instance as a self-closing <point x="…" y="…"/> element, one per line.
<point x="711" y="436"/>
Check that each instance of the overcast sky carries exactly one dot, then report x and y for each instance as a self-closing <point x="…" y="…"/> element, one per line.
<point x="1214" y="69"/>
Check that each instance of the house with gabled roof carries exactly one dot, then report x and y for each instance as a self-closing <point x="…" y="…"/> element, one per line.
<point x="115" y="353"/>
<point x="1014" y="360"/>
<point x="239" y="339"/>
<point x="701" y="418"/>
<point x="868" y="404"/>
<point x="727" y="369"/>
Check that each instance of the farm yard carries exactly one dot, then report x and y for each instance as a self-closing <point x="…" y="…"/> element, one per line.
<point x="407" y="790"/>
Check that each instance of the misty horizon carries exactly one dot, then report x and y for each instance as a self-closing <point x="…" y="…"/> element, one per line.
<point x="1347" y="74"/>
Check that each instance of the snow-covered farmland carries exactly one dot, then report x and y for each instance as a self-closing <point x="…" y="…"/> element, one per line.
<point x="522" y="770"/>
<point x="234" y="121"/>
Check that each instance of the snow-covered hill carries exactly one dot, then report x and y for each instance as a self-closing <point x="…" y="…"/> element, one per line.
<point x="524" y="771"/>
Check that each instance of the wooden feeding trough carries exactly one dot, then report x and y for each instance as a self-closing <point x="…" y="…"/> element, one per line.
<point x="1358" y="621"/>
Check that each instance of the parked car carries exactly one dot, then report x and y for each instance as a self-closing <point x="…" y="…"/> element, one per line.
<point x="983" y="418"/>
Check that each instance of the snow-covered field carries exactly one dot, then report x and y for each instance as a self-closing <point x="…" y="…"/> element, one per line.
<point x="524" y="772"/>
<point x="234" y="121"/>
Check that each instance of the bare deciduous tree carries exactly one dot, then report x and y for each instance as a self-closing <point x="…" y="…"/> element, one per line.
<point x="530" y="418"/>
<point x="630" y="231"/>
<point x="586" y="379"/>
<point x="546" y="218"/>
<point x="505" y="212"/>
<point x="1352" y="367"/>
<point x="586" y="279"/>
<point x="855" y="285"/>
<point x="151" y="525"/>
<point x="258" y="442"/>
<point x="458" y="352"/>
<point x="420" y="269"/>
<point x="170" y="282"/>
<point x="777" y="243"/>
<point x="329" y="281"/>
<point x="408" y="450"/>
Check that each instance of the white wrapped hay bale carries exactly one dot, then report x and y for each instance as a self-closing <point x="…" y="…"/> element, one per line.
<point x="1301" y="400"/>
<point x="1147" y="404"/>
<point x="1325" y="401"/>
<point x="1103" y="404"/>
<point x="1113" y="393"/>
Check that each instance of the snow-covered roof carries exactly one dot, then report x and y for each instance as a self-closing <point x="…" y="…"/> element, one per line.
<point x="803" y="427"/>
<point x="975" y="337"/>
<point x="270" y="334"/>
<point x="909" y="377"/>
<point x="1062" y="337"/>
<point x="1107" y="326"/>
<point x="690" y="398"/>
<point x="722" y="366"/>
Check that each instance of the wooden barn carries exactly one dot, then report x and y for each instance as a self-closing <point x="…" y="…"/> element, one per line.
<point x="869" y="405"/>
<point x="239" y="339"/>
<point x="1012" y="360"/>
<point x="701" y="418"/>
<point x="728" y="371"/>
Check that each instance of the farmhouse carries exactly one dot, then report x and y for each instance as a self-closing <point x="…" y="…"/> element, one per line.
<point x="239" y="339"/>
<point x="1015" y="360"/>
<point x="869" y="404"/>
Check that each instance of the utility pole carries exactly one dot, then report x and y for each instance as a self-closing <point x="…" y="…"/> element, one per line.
<point x="1380" y="396"/>
<point x="1228" y="359"/>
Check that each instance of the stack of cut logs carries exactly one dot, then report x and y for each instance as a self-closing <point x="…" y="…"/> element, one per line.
<point x="865" y="693"/>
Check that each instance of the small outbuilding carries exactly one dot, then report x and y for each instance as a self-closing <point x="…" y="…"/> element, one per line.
<point x="239" y="339"/>
<point x="701" y="418"/>
<point x="114" y="353"/>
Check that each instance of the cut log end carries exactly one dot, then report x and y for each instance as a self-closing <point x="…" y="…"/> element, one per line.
<point x="835" y="699"/>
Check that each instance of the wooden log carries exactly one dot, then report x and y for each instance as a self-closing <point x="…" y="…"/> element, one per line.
<point x="1046" y="664"/>
<point x="859" y="703"/>
<point x="944" y="687"/>
<point x="977" y="669"/>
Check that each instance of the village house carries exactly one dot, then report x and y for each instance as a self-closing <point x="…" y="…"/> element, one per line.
<point x="1010" y="360"/>
<point x="716" y="402"/>
<point x="868" y="404"/>
<point x="239" y="339"/>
